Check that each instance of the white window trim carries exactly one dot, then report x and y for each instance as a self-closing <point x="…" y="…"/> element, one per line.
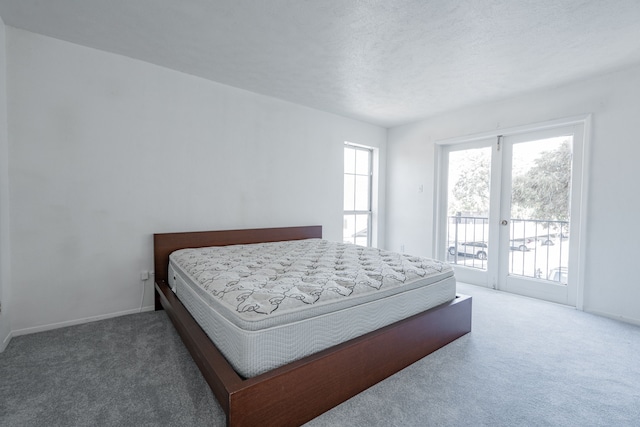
<point x="373" y="189"/>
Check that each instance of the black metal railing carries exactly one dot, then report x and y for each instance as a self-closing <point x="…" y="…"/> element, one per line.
<point x="467" y="241"/>
<point x="537" y="248"/>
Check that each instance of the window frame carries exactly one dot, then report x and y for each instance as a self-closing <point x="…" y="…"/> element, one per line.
<point x="354" y="212"/>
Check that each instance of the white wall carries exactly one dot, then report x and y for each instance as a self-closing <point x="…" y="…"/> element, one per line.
<point x="105" y="150"/>
<point x="612" y="283"/>
<point x="5" y="277"/>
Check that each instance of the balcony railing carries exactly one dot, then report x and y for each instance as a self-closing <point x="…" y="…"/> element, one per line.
<point x="537" y="248"/>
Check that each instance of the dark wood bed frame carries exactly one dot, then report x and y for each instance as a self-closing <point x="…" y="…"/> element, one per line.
<point x="300" y="391"/>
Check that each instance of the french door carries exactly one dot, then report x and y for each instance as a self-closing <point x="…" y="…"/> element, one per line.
<point x="510" y="210"/>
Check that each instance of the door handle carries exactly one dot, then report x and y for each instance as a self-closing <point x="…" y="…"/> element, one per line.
<point x="504" y="222"/>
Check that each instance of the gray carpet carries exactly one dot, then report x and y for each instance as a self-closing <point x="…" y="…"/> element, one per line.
<point x="526" y="363"/>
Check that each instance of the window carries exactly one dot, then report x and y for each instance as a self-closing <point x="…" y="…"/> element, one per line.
<point x="357" y="194"/>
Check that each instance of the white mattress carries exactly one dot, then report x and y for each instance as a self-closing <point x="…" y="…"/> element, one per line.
<point x="268" y="304"/>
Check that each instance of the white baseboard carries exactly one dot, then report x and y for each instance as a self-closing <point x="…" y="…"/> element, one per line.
<point x="5" y="341"/>
<point x="614" y="317"/>
<point x="51" y="326"/>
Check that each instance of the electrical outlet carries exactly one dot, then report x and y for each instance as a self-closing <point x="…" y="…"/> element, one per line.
<point x="144" y="275"/>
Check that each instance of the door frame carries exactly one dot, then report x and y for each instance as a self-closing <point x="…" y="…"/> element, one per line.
<point x="468" y="275"/>
<point x="578" y="198"/>
<point x="523" y="285"/>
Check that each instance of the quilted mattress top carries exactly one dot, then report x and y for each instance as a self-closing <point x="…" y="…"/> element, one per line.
<point x="266" y="284"/>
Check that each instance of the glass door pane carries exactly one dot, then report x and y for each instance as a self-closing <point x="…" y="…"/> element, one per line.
<point x="540" y="195"/>
<point x="537" y="214"/>
<point x="468" y="197"/>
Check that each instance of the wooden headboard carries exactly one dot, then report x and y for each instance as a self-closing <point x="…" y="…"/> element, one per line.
<point x="165" y="243"/>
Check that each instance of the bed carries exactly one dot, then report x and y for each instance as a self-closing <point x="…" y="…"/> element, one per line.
<point x="296" y="392"/>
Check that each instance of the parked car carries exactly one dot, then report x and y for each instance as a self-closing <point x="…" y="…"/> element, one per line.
<point x="520" y="245"/>
<point x="559" y="274"/>
<point x="475" y="249"/>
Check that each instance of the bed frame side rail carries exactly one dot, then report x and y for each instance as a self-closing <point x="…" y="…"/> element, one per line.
<point x="302" y="390"/>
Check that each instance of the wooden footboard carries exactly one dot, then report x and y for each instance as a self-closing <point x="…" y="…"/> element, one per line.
<point x="298" y="392"/>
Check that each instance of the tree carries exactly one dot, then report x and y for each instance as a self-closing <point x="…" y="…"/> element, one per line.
<point x="470" y="193"/>
<point x="543" y="191"/>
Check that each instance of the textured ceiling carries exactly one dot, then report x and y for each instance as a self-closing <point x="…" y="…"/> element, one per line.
<point x="385" y="62"/>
